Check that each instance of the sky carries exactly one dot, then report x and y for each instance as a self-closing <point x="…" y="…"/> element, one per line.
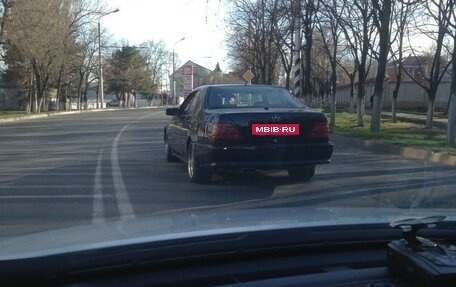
<point x="201" y="22"/>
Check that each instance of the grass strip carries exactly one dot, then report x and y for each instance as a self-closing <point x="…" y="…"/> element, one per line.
<point x="401" y="133"/>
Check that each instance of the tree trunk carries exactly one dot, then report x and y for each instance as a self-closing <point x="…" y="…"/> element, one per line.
<point x="40" y="104"/>
<point x="84" y="93"/>
<point x="333" y="108"/>
<point x="351" y="108"/>
<point x="384" y="14"/>
<point x="308" y="35"/>
<point x="35" y="103"/>
<point x="71" y="96"/>
<point x="430" y="112"/>
<point x="59" y="88"/>
<point x="28" y="107"/>
<point x="360" y="94"/>
<point x="360" y="112"/>
<point x="451" y="128"/>
<point x="376" y="109"/>
<point x="30" y="94"/>
<point x="45" y="104"/>
<point x="396" y="92"/>
<point x="80" y="100"/>
<point x="393" y="109"/>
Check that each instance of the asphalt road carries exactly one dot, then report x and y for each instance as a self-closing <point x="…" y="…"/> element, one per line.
<point x="91" y="168"/>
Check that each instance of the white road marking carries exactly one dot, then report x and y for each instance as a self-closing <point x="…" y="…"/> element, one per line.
<point x="98" y="209"/>
<point x="46" y="196"/>
<point x="124" y="205"/>
<point x="123" y="200"/>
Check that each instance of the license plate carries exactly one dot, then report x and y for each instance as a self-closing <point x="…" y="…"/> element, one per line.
<point x="275" y="129"/>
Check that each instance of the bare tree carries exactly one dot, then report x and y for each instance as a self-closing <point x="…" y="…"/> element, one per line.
<point x="80" y="15"/>
<point x="284" y="36"/>
<point x="359" y="31"/>
<point x="84" y="63"/>
<point x="309" y="13"/>
<point x="34" y="27"/>
<point x="158" y="58"/>
<point x="331" y="32"/>
<point x="403" y="14"/>
<point x="432" y="66"/>
<point x="251" y="40"/>
<point x="44" y="33"/>
<point x="451" y="129"/>
<point x="382" y="16"/>
<point x="4" y="12"/>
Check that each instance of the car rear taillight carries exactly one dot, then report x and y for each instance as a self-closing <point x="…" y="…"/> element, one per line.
<point x="319" y="131"/>
<point x="223" y="131"/>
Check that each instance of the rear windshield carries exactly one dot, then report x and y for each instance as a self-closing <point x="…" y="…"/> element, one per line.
<point x="250" y="97"/>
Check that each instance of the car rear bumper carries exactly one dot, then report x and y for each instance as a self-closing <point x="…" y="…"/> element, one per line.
<point x="262" y="157"/>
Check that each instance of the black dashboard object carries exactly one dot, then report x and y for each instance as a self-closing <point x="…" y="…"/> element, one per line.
<point x="421" y="260"/>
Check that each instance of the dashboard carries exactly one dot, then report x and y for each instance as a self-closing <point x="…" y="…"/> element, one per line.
<point x="337" y="257"/>
<point x="354" y="266"/>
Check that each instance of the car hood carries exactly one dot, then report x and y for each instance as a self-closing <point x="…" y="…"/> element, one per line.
<point x="196" y="224"/>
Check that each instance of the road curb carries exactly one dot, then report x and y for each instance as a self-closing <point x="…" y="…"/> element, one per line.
<point x="406" y="152"/>
<point x="54" y="114"/>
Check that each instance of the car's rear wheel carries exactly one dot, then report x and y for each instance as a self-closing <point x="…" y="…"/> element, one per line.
<point x="302" y="173"/>
<point x="196" y="173"/>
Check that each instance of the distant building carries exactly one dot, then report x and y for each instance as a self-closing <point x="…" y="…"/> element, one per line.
<point x="201" y="76"/>
<point x="411" y="95"/>
<point x="413" y="67"/>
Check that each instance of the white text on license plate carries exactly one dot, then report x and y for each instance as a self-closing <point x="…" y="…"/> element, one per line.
<point x="275" y="129"/>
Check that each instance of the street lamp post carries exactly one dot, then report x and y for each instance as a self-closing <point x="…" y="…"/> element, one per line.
<point x="100" y="79"/>
<point x="174" y="70"/>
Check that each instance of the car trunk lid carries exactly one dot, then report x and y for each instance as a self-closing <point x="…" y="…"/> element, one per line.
<point x="264" y="125"/>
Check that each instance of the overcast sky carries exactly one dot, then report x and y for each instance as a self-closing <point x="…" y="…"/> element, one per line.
<point x="170" y="20"/>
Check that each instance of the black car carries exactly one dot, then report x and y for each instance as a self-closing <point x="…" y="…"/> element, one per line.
<point x="237" y="127"/>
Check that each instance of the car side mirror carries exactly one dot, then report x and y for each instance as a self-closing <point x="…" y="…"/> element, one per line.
<point x="172" y="111"/>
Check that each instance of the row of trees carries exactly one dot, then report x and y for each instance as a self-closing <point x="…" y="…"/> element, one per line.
<point x="132" y="70"/>
<point x="51" y="47"/>
<point x="347" y="42"/>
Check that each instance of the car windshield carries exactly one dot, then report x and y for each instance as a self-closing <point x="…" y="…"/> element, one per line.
<point x="248" y="97"/>
<point x="183" y="116"/>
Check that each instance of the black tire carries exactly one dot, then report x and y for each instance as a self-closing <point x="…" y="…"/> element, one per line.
<point x="302" y="173"/>
<point x="196" y="173"/>
<point x="169" y="154"/>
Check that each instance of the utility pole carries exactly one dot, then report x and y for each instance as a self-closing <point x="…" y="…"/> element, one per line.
<point x="297" y="77"/>
<point x="174" y="71"/>
<point x="100" y="64"/>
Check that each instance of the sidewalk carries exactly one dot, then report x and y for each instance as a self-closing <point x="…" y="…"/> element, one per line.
<point x="438" y="122"/>
<point x="441" y="123"/>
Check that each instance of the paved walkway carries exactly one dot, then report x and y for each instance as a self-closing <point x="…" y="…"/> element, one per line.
<point x="418" y="118"/>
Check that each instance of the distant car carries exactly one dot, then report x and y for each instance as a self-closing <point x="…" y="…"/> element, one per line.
<point x="114" y="103"/>
<point x="236" y="127"/>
